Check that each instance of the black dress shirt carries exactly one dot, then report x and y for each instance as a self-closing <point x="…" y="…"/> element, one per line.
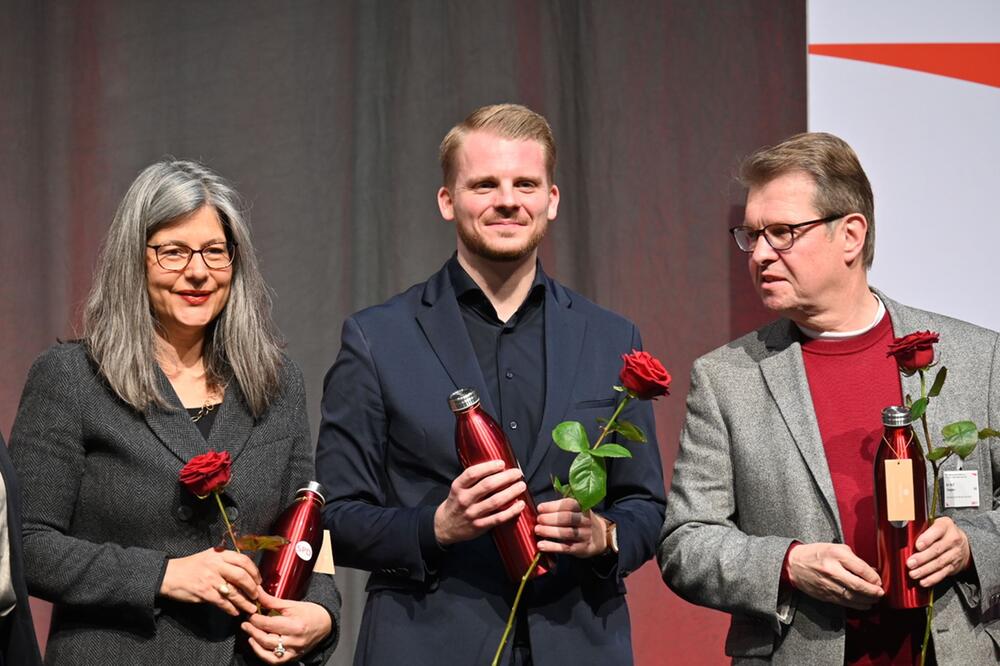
<point x="511" y="355"/>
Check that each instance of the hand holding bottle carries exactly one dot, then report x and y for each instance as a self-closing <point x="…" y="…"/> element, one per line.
<point x="943" y="550"/>
<point x="481" y="497"/>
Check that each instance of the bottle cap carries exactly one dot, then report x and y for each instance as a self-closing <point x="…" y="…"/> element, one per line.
<point x="896" y="416"/>
<point x="313" y="487"/>
<point x="462" y="399"/>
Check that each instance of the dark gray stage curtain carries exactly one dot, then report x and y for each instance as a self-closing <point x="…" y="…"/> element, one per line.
<point x="327" y="116"/>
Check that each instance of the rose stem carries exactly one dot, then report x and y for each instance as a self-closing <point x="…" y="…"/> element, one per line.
<point x="607" y="426"/>
<point x="225" y="518"/>
<point x="513" y="608"/>
<point x="930" y="520"/>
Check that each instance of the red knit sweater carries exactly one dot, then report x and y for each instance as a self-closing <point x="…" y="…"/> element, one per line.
<point x="850" y="382"/>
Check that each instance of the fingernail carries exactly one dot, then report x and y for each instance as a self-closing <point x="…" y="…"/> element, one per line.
<point x="498" y="464"/>
<point x="911" y="562"/>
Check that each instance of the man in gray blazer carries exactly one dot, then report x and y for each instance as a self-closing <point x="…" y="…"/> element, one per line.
<point x="770" y="516"/>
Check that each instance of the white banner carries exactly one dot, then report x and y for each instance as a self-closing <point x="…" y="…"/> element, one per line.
<point x="914" y="87"/>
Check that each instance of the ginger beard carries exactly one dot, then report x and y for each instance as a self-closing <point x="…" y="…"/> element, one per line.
<point x="476" y="244"/>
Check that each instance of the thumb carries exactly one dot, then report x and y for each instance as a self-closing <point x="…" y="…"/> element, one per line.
<point x="271" y="602"/>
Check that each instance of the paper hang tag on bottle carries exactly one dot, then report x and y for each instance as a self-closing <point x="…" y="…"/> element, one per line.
<point x="961" y="489"/>
<point x="324" y="561"/>
<point x="899" y="503"/>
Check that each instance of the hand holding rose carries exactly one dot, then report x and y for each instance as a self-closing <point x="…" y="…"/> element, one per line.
<point x="224" y="578"/>
<point x="299" y="625"/>
<point x="564" y="528"/>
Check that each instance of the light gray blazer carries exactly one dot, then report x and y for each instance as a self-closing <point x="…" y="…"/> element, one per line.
<point x="103" y="509"/>
<point x="751" y="477"/>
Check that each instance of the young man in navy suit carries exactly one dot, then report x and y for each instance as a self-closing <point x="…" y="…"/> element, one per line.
<point x="400" y="504"/>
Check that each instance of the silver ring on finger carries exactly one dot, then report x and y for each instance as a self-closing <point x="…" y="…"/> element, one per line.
<point x="224" y="589"/>
<point x="279" y="651"/>
<point x="844" y="591"/>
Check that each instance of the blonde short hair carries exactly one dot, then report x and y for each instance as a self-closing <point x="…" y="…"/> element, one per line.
<point x="510" y="121"/>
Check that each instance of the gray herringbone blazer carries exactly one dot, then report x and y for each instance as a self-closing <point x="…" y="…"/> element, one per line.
<point x="751" y="477"/>
<point x="103" y="510"/>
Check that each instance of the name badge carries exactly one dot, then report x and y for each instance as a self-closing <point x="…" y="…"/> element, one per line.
<point x="961" y="489"/>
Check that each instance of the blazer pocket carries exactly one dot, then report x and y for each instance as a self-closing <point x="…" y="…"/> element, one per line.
<point x="595" y="404"/>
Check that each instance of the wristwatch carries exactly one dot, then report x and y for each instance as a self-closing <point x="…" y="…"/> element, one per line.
<point x="611" y="536"/>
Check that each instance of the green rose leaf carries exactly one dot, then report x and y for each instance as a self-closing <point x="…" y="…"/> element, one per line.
<point x="589" y="480"/>
<point x="918" y="408"/>
<point x="939" y="452"/>
<point x="988" y="432"/>
<point x="611" y="451"/>
<point x="620" y="389"/>
<point x="627" y="429"/>
<point x="256" y="542"/>
<point x="964" y="450"/>
<point x="631" y="432"/>
<point x="960" y="433"/>
<point x="563" y="490"/>
<point x="570" y="436"/>
<point x="938" y="382"/>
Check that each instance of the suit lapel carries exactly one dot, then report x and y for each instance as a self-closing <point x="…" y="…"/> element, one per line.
<point x="442" y="324"/>
<point x="233" y="424"/>
<point x="785" y="375"/>
<point x="173" y="426"/>
<point x="564" y="334"/>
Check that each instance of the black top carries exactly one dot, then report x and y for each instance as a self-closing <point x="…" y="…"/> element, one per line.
<point x="204" y="424"/>
<point x="511" y="355"/>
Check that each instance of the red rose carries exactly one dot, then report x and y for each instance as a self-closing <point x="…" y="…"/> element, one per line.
<point x="206" y="473"/>
<point x="914" y="351"/>
<point x="644" y="376"/>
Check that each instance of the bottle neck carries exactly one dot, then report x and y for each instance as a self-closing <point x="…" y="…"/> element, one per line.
<point x="310" y="496"/>
<point x="468" y="410"/>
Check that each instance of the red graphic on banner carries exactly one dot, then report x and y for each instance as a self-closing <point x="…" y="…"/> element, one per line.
<point x="978" y="63"/>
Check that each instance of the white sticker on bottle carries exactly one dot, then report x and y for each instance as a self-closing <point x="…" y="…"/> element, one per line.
<point x="961" y="489"/>
<point x="304" y="550"/>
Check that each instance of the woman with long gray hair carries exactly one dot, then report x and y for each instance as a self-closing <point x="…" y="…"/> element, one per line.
<point x="178" y="357"/>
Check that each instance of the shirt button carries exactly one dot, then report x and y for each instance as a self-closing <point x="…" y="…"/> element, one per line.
<point x="513" y="425"/>
<point x="509" y="375"/>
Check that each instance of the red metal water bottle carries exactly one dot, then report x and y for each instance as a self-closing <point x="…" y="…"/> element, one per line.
<point x="479" y="439"/>
<point x="901" y="508"/>
<point x="285" y="572"/>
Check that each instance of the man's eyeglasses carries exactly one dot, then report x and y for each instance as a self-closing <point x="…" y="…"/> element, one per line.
<point x="176" y="257"/>
<point x="778" y="236"/>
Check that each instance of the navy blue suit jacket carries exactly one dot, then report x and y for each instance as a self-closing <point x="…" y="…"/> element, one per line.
<point x="387" y="458"/>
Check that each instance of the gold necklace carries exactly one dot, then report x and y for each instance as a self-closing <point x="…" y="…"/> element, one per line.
<point x="205" y="409"/>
